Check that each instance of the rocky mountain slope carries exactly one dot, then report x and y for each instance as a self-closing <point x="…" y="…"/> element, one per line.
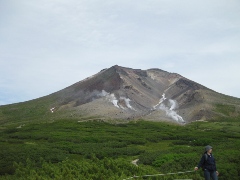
<point x="125" y="93"/>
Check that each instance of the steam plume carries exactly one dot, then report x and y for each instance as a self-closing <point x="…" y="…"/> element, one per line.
<point x="170" y="109"/>
<point x="112" y="98"/>
<point x="127" y="102"/>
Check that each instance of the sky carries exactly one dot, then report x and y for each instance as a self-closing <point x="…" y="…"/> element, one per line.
<point x="48" y="45"/>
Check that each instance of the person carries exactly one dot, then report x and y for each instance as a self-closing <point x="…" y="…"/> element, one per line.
<point x="208" y="164"/>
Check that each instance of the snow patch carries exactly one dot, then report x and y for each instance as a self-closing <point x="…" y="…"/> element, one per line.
<point x="52" y="109"/>
<point x="19" y="127"/>
<point x="160" y="101"/>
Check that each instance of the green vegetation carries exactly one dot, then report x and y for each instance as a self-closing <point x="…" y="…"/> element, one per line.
<point x="68" y="149"/>
<point x="225" y="109"/>
<point x="34" y="110"/>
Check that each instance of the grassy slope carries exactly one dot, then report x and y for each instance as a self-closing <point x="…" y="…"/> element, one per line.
<point x="29" y="111"/>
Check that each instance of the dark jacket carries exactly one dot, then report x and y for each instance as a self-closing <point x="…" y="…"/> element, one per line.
<point x="208" y="164"/>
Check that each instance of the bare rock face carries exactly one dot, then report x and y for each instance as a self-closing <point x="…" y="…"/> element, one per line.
<point x="125" y="93"/>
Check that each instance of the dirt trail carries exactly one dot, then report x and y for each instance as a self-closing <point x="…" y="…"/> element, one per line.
<point x="135" y="162"/>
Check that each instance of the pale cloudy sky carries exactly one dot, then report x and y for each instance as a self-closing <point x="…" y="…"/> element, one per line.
<point x="48" y="45"/>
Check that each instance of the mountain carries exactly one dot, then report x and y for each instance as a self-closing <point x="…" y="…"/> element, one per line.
<point x="120" y="93"/>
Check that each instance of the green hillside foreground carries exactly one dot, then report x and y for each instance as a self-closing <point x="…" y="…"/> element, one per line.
<point x="69" y="149"/>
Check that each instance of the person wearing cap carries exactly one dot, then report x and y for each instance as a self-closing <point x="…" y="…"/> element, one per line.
<point x="208" y="163"/>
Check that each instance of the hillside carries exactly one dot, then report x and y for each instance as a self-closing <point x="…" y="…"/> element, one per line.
<point x="124" y="93"/>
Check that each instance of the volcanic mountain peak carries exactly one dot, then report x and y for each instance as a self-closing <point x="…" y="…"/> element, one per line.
<point x="125" y="93"/>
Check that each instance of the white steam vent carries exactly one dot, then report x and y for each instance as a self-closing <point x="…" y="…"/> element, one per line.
<point x="127" y="102"/>
<point x="170" y="108"/>
<point x="103" y="93"/>
<point x="116" y="102"/>
<point x="109" y="97"/>
<point x="113" y="99"/>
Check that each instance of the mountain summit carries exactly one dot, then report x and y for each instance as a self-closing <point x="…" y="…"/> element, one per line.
<point x="125" y="93"/>
<point x="153" y="94"/>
